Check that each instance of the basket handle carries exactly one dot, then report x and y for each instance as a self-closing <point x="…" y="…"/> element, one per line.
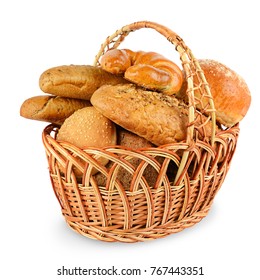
<point x="189" y="63"/>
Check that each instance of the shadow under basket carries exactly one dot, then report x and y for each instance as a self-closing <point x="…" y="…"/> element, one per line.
<point x="148" y="193"/>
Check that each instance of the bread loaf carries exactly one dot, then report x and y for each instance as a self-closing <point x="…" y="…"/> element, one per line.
<point x="230" y="92"/>
<point x="147" y="69"/>
<point x="51" y="109"/>
<point x="88" y="128"/>
<point x="130" y="140"/>
<point x="76" y="81"/>
<point x="159" y="118"/>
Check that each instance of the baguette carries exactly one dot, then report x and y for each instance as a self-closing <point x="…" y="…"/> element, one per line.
<point x="51" y="109"/>
<point x="76" y="81"/>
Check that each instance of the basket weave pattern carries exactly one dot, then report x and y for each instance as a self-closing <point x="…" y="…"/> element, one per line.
<point x="188" y="174"/>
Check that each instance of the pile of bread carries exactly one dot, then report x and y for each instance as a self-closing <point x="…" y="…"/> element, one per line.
<point x="133" y="99"/>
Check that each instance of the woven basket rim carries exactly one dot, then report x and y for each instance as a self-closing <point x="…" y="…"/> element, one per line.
<point x="49" y="139"/>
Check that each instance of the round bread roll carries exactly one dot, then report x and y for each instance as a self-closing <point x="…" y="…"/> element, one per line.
<point x="88" y="128"/>
<point x="230" y="92"/>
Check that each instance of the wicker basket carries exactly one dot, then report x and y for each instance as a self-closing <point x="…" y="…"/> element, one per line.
<point x="143" y="212"/>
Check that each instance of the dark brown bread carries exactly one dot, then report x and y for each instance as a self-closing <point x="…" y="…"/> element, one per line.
<point x="130" y="140"/>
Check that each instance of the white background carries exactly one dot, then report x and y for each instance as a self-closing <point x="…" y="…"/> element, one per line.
<point x="36" y="35"/>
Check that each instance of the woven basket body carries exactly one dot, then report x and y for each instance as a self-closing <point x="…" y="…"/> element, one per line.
<point x="187" y="174"/>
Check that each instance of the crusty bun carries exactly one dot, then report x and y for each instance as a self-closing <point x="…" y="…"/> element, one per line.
<point x="51" y="109"/>
<point x="88" y="128"/>
<point x="147" y="69"/>
<point x="76" y="81"/>
<point x="230" y="92"/>
<point x="159" y="118"/>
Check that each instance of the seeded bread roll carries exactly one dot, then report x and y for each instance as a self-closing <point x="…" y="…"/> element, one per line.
<point x="142" y="112"/>
<point x="76" y="81"/>
<point x="88" y="128"/>
<point x="158" y="118"/>
<point x="53" y="109"/>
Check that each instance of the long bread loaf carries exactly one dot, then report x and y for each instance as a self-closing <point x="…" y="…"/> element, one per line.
<point x="76" y="81"/>
<point x="53" y="109"/>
